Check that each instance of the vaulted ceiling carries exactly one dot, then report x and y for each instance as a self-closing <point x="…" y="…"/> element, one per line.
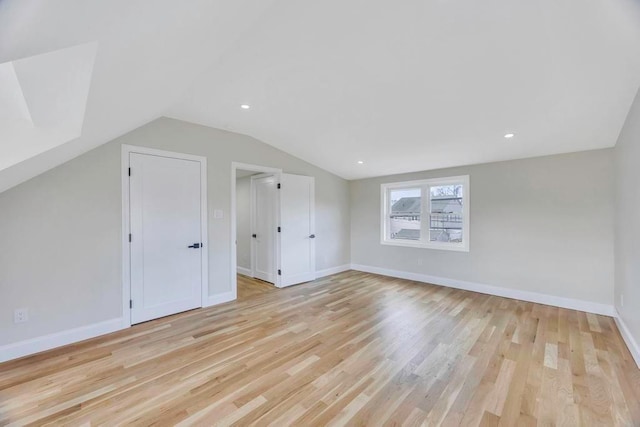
<point x="400" y="86"/>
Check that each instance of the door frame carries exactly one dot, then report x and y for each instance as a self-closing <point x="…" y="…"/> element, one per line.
<point x="233" y="246"/>
<point x="126" y="223"/>
<point x="252" y="192"/>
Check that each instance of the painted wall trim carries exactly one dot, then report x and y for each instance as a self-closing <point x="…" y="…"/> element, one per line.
<point x="75" y="335"/>
<point x="632" y="344"/>
<point x="58" y="339"/>
<point x="332" y="270"/>
<point x="71" y="336"/>
<point x="221" y="298"/>
<point x="570" y="303"/>
<point x="244" y="271"/>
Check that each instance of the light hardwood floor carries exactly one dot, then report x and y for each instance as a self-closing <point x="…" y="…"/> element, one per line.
<point x="249" y="287"/>
<point x="353" y="348"/>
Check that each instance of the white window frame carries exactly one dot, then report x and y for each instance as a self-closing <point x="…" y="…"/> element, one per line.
<point x="425" y="185"/>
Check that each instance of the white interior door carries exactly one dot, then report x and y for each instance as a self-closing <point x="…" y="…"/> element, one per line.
<point x="165" y="221"/>
<point x="297" y="238"/>
<point x="264" y="211"/>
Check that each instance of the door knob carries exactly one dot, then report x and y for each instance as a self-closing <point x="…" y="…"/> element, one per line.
<point x="195" y="246"/>
<point x="313" y="236"/>
<point x="254" y="235"/>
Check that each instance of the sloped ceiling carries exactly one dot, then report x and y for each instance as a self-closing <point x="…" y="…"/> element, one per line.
<point x="401" y="86"/>
<point x="148" y="53"/>
<point x="414" y="85"/>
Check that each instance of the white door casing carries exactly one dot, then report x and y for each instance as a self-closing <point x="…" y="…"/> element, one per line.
<point x="263" y="227"/>
<point x="297" y="236"/>
<point x="166" y="213"/>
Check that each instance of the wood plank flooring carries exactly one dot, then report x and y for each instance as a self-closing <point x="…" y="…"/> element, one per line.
<point x="249" y="287"/>
<point x="351" y="349"/>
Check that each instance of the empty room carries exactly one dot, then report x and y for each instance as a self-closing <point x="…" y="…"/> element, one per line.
<point x="319" y="213"/>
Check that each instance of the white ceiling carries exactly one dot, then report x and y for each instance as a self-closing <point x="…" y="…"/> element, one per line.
<point x="403" y="86"/>
<point x="148" y="53"/>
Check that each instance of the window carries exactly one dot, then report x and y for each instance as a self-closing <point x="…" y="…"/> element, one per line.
<point x="431" y="213"/>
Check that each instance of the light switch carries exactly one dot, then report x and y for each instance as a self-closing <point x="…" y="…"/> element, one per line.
<point x="217" y="213"/>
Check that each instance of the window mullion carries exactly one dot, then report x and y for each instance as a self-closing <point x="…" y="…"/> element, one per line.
<point x="424" y="216"/>
<point x="387" y="214"/>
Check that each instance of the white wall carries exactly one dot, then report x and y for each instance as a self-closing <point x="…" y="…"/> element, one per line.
<point x="541" y="225"/>
<point x="243" y="222"/>
<point x="627" y="207"/>
<point x="60" y="249"/>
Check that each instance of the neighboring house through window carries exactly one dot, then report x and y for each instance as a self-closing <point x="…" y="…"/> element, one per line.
<point x="431" y="213"/>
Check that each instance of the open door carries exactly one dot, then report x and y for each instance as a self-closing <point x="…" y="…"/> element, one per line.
<point x="297" y="228"/>
<point x="263" y="227"/>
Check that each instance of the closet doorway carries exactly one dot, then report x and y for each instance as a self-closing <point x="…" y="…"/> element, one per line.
<point x="272" y="225"/>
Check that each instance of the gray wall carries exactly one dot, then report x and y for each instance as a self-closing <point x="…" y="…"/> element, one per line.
<point x="542" y="225"/>
<point x="60" y="232"/>
<point x="627" y="249"/>
<point x="243" y="221"/>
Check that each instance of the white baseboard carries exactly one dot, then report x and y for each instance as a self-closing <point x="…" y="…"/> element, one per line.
<point x="47" y="342"/>
<point x="332" y="270"/>
<point x="220" y="298"/>
<point x="570" y="303"/>
<point x="58" y="339"/>
<point x="243" y="271"/>
<point x="71" y="336"/>
<point x="632" y="344"/>
<point x="319" y="273"/>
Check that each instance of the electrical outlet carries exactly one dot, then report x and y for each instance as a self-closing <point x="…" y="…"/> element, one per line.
<point x="420" y="262"/>
<point x="218" y="214"/>
<point x="20" y="315"/>
<point x="621" y="300"/>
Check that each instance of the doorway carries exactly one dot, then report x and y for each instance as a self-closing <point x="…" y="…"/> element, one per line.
<point x="254" y="256"/>
<point x="295" y="224"/>
<point x="164" y="233"/>
<point x="256" y="223"/>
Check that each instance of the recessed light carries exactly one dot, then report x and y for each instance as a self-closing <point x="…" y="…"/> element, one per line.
<point x="360" y="162"/>
<point x="509" y="135"/>
<point x="245" y="106"/>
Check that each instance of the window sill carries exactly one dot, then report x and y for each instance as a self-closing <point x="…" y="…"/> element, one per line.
<point x="421" y="245"/>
